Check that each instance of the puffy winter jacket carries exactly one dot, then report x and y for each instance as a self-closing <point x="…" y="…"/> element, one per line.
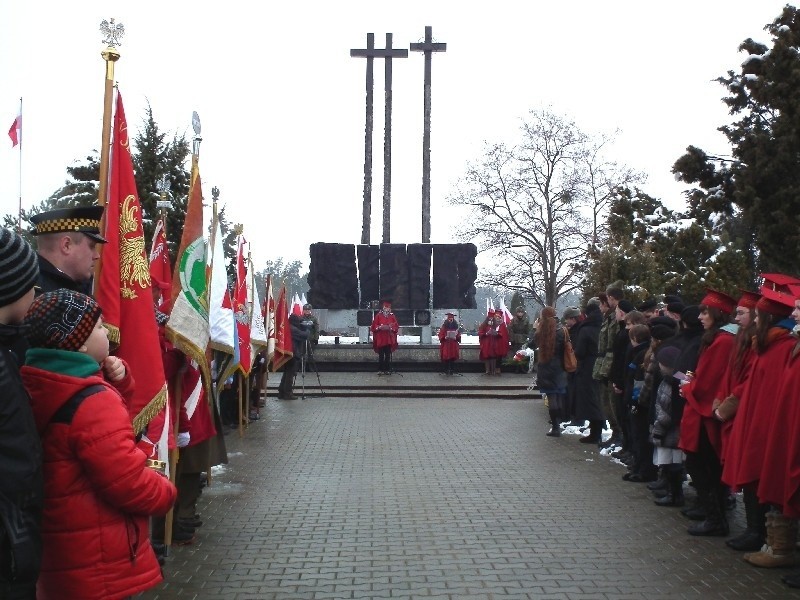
<point x="98" y="490"/>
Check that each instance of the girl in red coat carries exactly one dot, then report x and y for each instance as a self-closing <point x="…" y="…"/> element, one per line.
<point x="700" y="431"/>
<point x="725" y="407"/>
<point x="98" y="489"/>
<point x="744" y="458"/>
<point x="384" y="337"/>
<point x="449" y="339"/>
<point x="488" y="334"/>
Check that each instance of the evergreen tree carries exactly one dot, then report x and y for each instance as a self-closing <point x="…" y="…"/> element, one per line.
<point x="178" y="181"/>
<point x="154" y="160"/>
<point x="516" y="300"/>
<point x="656" y="251"/>
<point x="753" y="197"/>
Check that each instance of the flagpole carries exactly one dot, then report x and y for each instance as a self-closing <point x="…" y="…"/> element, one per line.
<point x="19" y="215"/>
<point x="113" y="34"/>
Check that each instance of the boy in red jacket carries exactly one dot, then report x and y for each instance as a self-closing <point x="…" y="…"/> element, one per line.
<point x="98" y="489"/>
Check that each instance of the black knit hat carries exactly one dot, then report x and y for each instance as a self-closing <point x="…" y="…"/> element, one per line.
<point x="668" y="356"/>
<point x="662" y="328"/>
<point x="625" y="306"/>
<point x="19" y="268"/>
<point x="690" y="317"/>
<point x="62" y="319"/>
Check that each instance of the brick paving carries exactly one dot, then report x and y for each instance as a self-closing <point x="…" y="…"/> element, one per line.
<point x="454" y="499"/>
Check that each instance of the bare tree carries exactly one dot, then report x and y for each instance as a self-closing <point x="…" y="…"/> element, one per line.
<point x="532" y="207"/>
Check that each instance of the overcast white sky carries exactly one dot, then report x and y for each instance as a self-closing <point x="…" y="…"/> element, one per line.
<point x="282" y="102"/>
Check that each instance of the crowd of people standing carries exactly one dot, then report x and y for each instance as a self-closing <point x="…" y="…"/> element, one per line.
<point x="699" y="395"/>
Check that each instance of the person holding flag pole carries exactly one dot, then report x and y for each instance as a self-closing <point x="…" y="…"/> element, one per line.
<point x="188" y="329"/>
<point x="222" y="321"/>
<point x="259" y="338"/>
<point x="241" y="367"/>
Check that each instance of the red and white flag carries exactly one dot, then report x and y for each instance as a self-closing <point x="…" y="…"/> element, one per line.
<point x="507" y="316"/>
<point x="123" y="291"/>
<point x="160" y="269"/>
<point x="15" y="132"/>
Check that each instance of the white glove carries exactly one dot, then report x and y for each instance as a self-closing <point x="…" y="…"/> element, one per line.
<point x="183" y="439"/>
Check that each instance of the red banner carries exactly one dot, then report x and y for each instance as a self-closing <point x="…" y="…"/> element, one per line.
<point x="283" y="333"/>
<point x="160" y="271"/>
<point x="240" y="312"/>
<point x="123" y="288"/>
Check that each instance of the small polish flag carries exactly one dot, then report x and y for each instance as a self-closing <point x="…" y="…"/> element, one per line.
<point x="15" y="133"/>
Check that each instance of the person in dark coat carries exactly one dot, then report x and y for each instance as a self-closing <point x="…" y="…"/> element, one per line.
<point x="616" y="374"/>
<point x="300" y="335"/>
<point x="551" y="379"/>
<point x="21" y="480"/>
<point x="67" y="241"/>
<point x="642" y="468"/>
<point x="588" y="404"/>
<point x="572" y="318"/>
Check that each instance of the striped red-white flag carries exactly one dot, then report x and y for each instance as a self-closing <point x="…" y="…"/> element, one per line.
<point x="15" y="132"/>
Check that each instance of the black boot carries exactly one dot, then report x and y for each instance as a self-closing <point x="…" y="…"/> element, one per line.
<point x="555" y="424"/>
<point x="755" y="515"/>
<point x="595" y="433"/>
<point x="715" y="523"/>
<point x="662" y="483"/>
<point x="675" y="486"/>
<point x="696" y="511"/>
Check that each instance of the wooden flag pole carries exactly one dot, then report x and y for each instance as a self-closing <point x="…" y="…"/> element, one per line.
<point x="173" y="459"/>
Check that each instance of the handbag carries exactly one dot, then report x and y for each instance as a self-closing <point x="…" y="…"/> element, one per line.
<point x="570" y="360"/>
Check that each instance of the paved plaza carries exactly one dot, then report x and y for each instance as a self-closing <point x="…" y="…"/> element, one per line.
<point x="449" y="498"/>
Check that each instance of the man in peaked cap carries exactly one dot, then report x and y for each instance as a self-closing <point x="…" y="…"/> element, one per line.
<point x="67" y="241"/>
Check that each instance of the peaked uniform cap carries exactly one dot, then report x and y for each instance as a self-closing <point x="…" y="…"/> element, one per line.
<point x="81" y="219"/>
<point x="719" y="300"/>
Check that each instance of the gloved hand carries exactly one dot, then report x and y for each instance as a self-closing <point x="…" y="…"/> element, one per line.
<point x="183" y="439"/>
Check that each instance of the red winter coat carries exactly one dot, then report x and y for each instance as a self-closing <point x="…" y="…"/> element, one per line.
<point x="745" y="455"/>
<point x="501" y="343"/>
<point x="384" y="337"/>
<point x="98" y="492"/>
<point x="780" y="473"/>
<point x="493" y="339"/>
<point x="449" y="349"/>
<point x="734" y="383"/>
<point x="701" y="393"/>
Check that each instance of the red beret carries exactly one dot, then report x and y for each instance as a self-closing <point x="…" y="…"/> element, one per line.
<point x="718" y="300"/>
<point x="749" y="299"/>
<point x="779" y="304"/>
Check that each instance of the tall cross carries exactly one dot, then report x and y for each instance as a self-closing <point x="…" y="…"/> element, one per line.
<point x="369" y="53"/>
<point x="428" y="47"/>
<point x="388" y="54"/>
